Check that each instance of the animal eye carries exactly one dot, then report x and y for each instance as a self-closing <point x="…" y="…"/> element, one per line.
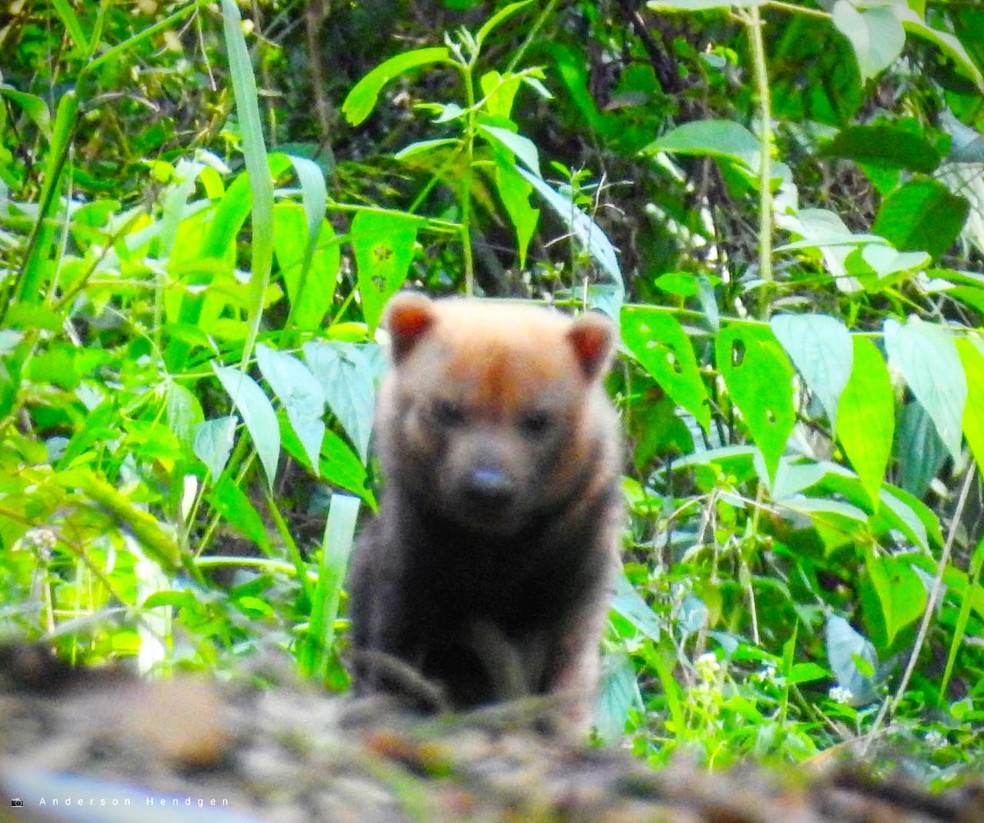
<point x="535" y="423"/>
<point x="448" y="413"/>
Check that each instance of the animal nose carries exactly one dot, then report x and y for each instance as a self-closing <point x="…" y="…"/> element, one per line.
<point x="490" y="485"/>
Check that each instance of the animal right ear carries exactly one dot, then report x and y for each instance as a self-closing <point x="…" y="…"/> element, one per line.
<point x="408" y="317"/>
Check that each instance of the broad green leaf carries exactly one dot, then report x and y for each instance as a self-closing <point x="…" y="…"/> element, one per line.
<point x="972" y="360"/>
<point x="310" y="283"/>
<point x="821" y="349"/>
<point x="947" y="43"/>
<point x="348" y="373"/>
<point x="314" y="194"/>
<point x="361" y="100"/>
<point x="661" y="346"/>
<point x="234" y="505"/>
<point x="922" y="215"/>
<point x="724" y="139"/>
<point x="900" y="590"/>
<point x="850" y="655"/>
<point x="257" y="413"/>
<point x="837" y="523"/>
<point x="876" y="35"/>
<point x="884" y="146"/>
<point x="184" y="413"/>
<point x="928" y="359"/>
<point x="588" y="233"/>
<point x="522" y="147"/>
<point x="499" y="92"/>
<point x="866" y="417"/>
<point x="515" y="191"/>
<point x="213" y="443"/>
<point x="383" y="244"/>
<point x="759" y="378"/>
<point x="300" y="394"/>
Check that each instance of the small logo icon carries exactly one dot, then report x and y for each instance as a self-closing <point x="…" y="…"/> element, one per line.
<point x="16" y="803"/>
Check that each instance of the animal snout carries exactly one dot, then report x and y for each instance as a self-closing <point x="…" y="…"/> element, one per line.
<point x="490" y="486"/>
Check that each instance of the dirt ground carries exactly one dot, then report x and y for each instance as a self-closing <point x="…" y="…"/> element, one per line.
<point x="107" y="747"/>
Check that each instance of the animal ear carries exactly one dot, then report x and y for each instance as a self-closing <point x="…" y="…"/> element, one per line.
<point x="593" y="337"/>
<point x="408" y="317"/>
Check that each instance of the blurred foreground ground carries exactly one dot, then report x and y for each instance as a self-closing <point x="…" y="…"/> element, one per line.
<point x="106" y="747"/>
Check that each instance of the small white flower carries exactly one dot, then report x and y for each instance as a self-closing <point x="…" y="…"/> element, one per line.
<point x="707" y="666"/>
<point x="840" y="695"/>
<point x="935" y="739"/>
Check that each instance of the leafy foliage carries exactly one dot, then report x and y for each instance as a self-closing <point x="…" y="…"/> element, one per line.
<point x="189" y="349"/>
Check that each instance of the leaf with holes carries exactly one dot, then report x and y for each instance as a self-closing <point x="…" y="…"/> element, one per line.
<point x="928" y="359"/>
<point x="659" y="343"/>
<point x="759" y="377"/>
<point x="383" y="244"/>
<point x="821" y="349"/>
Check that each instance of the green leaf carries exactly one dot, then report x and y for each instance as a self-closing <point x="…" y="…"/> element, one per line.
<point x="310" y="282"/>
<point x="972" y="360"/>
<point x="514" y="191"/>
<point x="184" y="413"/>
<point x="71" y="23"/>
<point x="300" y="394"/>
<point x="724" y="139"/>
<point x="213" y="443"/>
<point x="884" y="146"/>
<point x="866" y="417"/>
<point x="384" y="245"/>
<point x="257" y="413"/>
<point x="522" y="147"/>
<point x="659" y="343"/>
<point x="348" y="373"/>
<point x="498" y="18"/>
<point x="336" y="547"/>
<point x="361" y="100"/>
<point x="32" y="105"/>
<point x="919" y="451"/>
<point x="424" y="146"/>
<point x="922" y="215"/>
<point x="928" y="359"/>
<point x="876" y="35"/>
<point x="759" y="378"/>
<point x="257" y="165"/>
<point x="236" y="509"/>
<point x="901" y="592"/>
<point x="908" y="514"/>
<point x="821" y="349"/>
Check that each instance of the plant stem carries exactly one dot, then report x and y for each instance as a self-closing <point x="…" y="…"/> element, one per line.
<point x="753" y="22"/>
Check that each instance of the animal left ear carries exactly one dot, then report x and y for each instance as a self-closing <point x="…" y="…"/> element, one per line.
<point x="592" y="337"/>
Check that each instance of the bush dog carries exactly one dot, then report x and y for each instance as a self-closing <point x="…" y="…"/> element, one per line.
<point x="489" y="568"/>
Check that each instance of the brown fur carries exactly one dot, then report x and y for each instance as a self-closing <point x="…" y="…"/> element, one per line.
<point x="489" y="568"/>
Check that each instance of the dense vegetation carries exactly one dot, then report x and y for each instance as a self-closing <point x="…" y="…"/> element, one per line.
<point x="201" y="218"/>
